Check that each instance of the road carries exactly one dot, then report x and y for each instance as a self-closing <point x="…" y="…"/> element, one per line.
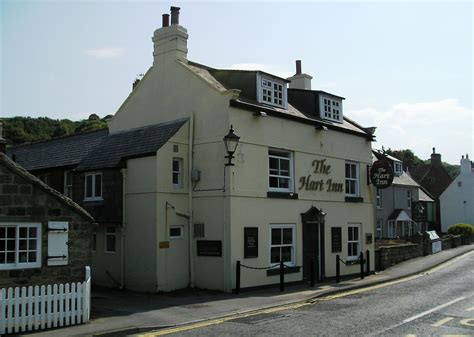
<point x="437" y="303"/>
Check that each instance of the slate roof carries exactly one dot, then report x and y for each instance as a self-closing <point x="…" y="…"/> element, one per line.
<point x="245" y="81"/>
<point x="131" y="143"/>
<point x="63" y="151"/>
<point x="396" y="213"/>
<point x="424" y="196"/>
<point x="20" y="171"/>
<point x="404" y="179"/>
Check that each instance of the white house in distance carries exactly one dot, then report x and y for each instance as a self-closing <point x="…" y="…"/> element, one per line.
<point x="457" y="201"/>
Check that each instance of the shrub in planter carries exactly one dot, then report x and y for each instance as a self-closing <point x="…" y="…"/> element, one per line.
<point x="463" y="229"/>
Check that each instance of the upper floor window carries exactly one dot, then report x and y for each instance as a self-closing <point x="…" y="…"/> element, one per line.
<point x="280" y="175"/>
<point x="398" y="168"/>
<point x="177" y="172"/>
<point x="68" y="184"/>
<point x="331" y="109"/>
<point x="20" y="245"/>
<point x="272" y="91"/>
<point x="378" y="198"/>
<point x="352" y="179"/>
<point x="93" y="189"/>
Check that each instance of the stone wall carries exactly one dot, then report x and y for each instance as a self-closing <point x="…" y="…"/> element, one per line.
<point x="451" y="241"/>
<point x="23" y="201"/>
<point x="388" y="256"/>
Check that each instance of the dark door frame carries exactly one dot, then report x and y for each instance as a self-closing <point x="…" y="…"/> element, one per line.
<point x="315" y="217"/>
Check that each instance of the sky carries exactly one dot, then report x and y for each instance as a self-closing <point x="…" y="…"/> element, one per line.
<point x="404" y="67"/>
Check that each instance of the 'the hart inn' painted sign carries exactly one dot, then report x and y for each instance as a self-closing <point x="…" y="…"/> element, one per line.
<point x="381" y="174"/>
<point x="320" y="167"/>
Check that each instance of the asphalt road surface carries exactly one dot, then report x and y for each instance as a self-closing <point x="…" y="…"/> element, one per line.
<point x="437" y="303"/>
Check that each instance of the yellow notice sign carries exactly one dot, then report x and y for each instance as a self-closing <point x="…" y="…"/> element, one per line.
<point x="164" y="244"/>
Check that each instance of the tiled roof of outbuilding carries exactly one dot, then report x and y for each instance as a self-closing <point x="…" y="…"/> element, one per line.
<point x="131" y="143"/>
<point x="63" y="151"/>
<point x="17" y="169"/>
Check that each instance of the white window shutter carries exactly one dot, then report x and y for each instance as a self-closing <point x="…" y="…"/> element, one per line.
<point x="58" y="234"/>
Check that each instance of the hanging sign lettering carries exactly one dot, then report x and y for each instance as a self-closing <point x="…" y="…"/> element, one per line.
<point x="381" y="174"/>
<point x="310" y="183"/>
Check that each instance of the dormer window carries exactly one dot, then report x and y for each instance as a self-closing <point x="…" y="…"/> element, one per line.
<point x="331" y="108"/>
<point x="271" y="91"/>
<point x="397" y="168"/>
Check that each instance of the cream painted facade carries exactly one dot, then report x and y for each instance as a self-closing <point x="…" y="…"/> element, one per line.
<point x="226" y="199"/>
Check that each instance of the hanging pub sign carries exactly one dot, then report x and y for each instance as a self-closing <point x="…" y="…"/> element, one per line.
<point x="381" y="174"/>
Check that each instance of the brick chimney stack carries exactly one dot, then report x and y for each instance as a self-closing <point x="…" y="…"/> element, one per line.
<point x="435" y="158"/>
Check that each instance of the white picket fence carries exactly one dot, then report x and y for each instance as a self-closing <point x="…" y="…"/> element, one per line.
<point x="35" y="308"/>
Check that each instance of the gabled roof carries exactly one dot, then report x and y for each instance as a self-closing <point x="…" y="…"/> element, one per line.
<point x="245" y="81"/>
<point x="399" y="215"/>
<point x="424" y="196"/>
<point x="131" y="143"/>
<point x="63" y="151"/>
<point x="20" y="171"/>
<point x="404" y="179"/>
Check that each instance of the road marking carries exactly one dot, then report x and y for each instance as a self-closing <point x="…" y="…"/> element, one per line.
<point x="468" y="322"/>
<point x="443" y="321"/>
<point x="427" y="312"/>
<point x="410" y="335"/>
<point x="470" y="309"/>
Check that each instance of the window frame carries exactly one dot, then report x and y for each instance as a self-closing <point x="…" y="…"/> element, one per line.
<point x="409" y="199"/>
<point x="397" y="168"/>
<point x="356" y="179"/>
<point x="378" y="198"/>
<point x="38" y="250"/>
<point x="179" y="184"/>
<point x="273" y="153"/>
<point x="175" y="237"/>
<point x="331" y="109"/>
<point x="94" y="196"/>
<point x="68" y="188"/>
<point x="273" y="81"/>
<point x="379" y="229"/>
<point x="107" y="234"/>
<point x="292" y="245"/>
<point x="358" y="242"/>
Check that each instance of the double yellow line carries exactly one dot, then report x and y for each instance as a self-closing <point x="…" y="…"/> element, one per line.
<point x="300" y="304"/>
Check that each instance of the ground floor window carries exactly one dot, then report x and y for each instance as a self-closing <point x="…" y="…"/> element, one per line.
<point x="391" y="229"/>
<point x="353" y="242"/>
<point x="20" y="245"/>
<point x="379" y="228"/>
<point x="176" y="232"/>
<point x="110" y="239"/>
<point x="282" y="244"/>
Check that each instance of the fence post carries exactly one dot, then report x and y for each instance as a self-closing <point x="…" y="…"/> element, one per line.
<point x="312" y="272"/>
<point x="282" y="276"/>
<point x="338" y="269"/>
<point x="367" y="256"/>
<point x="361" y="260"/>
<point x="237" y="278"/>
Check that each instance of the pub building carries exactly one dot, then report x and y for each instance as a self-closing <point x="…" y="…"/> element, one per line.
<point x="245" y="166"/>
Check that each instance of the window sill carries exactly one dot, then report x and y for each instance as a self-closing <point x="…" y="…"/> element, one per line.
<point x="287" y="270"/>
<point x="352" y="262"/>
<point x="282" y="195"/>
<point x="20" y="267"/>
<point x="93" y="199"/>
<point x="354" y="199"/>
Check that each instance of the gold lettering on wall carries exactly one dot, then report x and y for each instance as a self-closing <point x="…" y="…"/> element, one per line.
<point x="314" y="184"/>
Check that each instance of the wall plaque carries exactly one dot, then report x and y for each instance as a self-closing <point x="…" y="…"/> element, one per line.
<point x="381" y="174"/>
<point x="336" y="239"/>
<point x="209" y="248"/>
<point x="164" y="244"/>
<point x="250" y="242"/>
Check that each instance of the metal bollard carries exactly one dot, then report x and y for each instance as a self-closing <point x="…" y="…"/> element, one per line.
<point x="338" y="269"/>
<point x="237" y="278"/>
<point x="367" y="256"/>
<point x="361" y="260"/>
<point x="282" y="276"/>
<point x="312" y="273"/>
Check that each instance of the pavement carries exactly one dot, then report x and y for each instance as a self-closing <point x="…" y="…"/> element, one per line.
<point x="121" y="313"/>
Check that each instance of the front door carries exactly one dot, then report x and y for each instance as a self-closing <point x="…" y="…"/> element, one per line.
<point x="310" y="250"/>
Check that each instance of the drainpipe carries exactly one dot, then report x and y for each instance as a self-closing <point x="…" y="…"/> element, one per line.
<point x="190" y="200"/>
<point x="122" y="241"/>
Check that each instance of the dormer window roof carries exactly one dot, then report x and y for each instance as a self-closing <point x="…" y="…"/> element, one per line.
<point x="271" y="90"/>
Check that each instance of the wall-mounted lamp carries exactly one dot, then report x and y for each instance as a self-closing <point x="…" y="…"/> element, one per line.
<point x="231" y="141"/>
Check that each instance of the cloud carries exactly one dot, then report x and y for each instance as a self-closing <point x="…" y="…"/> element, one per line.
<point x="105" y="52"/>
<point x="443" y="124"/>
<point x="268" y="68"/>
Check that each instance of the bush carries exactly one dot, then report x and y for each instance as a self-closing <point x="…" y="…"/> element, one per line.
<point x="463" y="229"/>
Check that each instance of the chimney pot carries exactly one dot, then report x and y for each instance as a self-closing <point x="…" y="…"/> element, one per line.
<point x="174" y="15"/>
<point x="165" y="20"/>
<point x="298" y="67"/>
